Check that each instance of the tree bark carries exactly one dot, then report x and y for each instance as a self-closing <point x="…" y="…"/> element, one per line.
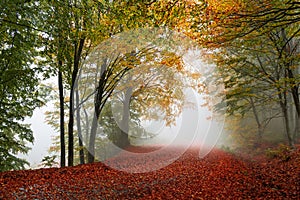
<point x="77" y="55"/>
<point x="98" y="100"/>
<point x="290" y="50"/>
<point x="297" y="127"/>
<point x="101" y="97"/>
<point x="62" y="118"/>
<point x="283" y="105"/>
<point x="79" y="131"/>
<point x="91" y="150"/>
<point x="123" y="140"/>
<point x="259" y="125"/>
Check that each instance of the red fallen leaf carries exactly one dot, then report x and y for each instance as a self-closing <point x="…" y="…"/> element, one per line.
<point x="218" y="176"/>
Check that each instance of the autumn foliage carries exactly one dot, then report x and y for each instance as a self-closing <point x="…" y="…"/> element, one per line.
<point x="219" y="175"/>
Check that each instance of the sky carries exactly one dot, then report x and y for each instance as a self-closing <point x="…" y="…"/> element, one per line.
<point x="42" y="133"/>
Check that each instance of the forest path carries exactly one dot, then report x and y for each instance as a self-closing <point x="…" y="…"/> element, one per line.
<point x="220" y="175"/>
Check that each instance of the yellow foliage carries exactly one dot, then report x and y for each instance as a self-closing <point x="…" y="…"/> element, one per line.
<point x="173" y="61"/>
<point x="195" y="75"/>
<point x="226" y="6"/>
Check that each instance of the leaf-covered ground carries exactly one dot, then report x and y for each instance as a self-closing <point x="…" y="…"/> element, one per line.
<point x="219" y="175"/>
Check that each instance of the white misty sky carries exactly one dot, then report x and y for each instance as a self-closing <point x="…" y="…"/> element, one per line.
<point x="43" y="134"/>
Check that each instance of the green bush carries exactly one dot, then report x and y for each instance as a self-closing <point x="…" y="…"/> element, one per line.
<point x="282" y="152"/>
<point x="49" y="161"/>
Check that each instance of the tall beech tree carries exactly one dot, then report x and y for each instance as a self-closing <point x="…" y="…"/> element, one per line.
<point x="75" y="27"/>
<point x="131" y="55"/>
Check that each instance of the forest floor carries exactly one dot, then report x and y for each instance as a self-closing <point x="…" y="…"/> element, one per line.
<point x="220" y="175"/>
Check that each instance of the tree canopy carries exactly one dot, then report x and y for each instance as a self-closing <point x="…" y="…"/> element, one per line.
<point x="19" y="91"/>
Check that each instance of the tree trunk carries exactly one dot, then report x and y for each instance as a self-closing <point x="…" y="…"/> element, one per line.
<point x="87" y="126"/>
<point x="123" y="140"/>
<point x="100" y="87"/>
<point x="297" y="127"/>
<point x="91" y="150"/>
<point x="98" y="101"/>
<point x="260" y="128"/>
<point x="77" y="55"/>
<point x="70" y="131"/>
<point x="287" y="127"/>
<point x="283" y="105"/>
<point x="293" y="84"/>
<point x="295" y="95"/>
<point x="78" y="122"/>
<point x="101" y="97"/>
<point x="292" y="115"/>
<point x="62" y="118"/>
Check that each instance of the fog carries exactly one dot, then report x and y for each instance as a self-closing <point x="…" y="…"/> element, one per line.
<point x="194" y="127"/>
<point x="43" y="134"/>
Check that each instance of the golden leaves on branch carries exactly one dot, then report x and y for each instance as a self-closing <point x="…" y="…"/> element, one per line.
<point x="173" y="61"/>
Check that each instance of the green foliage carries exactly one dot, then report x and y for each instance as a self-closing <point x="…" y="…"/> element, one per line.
<point x="137" y="13"/>
<point x="261" y="72"/>
<point x="49" y="161"/>
<point x="19" y="94"/>
<point x="111" y="129"/>
<point x="74" y="28"/>
<point x="282" y="152"/>
<point x="227" y="149"/>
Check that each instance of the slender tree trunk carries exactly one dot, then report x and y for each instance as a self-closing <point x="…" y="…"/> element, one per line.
<point x="297" y="127"/>
<point x="291" y="50"/>
<point x="124" y="137"/>
<point x="98" y="101"/>
<point x="87" y="126"/>
<point x="292" y="115"/>
<point x="97" y="111"/>
<point x="295" y="95"/>
<point x="287" y="127"/>
<point x="259" y="125"/>
<point x="101" y="96"/>
<point x="283" y="105"/>
<point x="296" y="99"/>
<point x="77" y="55"/>
<point x="62" y="118"/>
<point x="70" y="131"/>
<point x="91" y="150"/>
<point x="79" y="131"/>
